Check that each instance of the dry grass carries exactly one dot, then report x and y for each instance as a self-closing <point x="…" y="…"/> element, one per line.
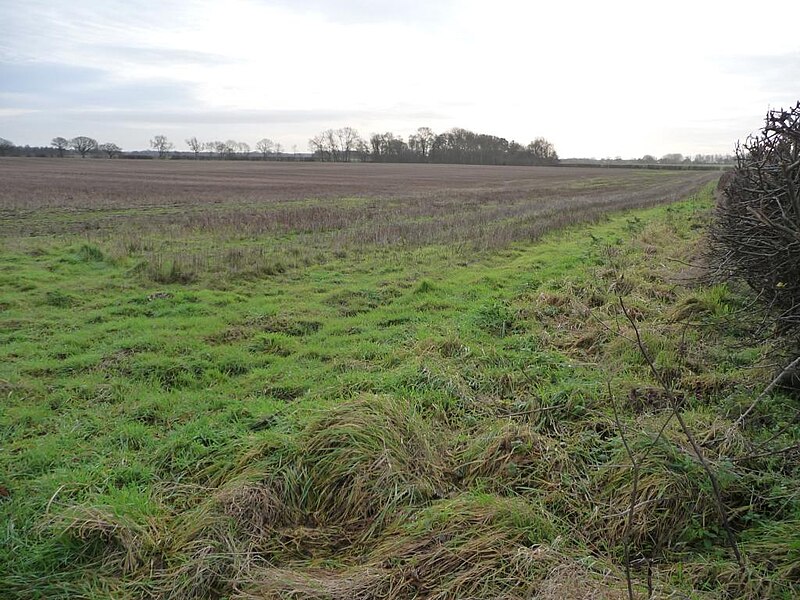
<point x="471" y="546"/>
<point x="514" y="457"/>
<point x="109" y="540"/>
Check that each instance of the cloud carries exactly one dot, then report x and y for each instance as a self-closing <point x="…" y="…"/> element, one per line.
<point x="63" y="87"/>
<point x="16" y="112"/>
<point x="160" y="56"/>
<point x="595" y="79"/>
<point x="420" y="12"/>
<point x="241" y="117"/>
<point x="778" y="73"/>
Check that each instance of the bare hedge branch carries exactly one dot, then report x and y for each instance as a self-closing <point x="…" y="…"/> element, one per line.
<point x="755" y="236"/>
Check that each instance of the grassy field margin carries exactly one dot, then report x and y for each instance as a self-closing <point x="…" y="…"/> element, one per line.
<point x="406" y="422"/>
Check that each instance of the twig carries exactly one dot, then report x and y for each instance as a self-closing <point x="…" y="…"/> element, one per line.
<point x="780" y="432"/>
<point x="765" y="454"/>
<point x="775" y="382"/>
<point x="531" y="411"/>
<point x="634" y="495"/>
<point x="690" y="437"/>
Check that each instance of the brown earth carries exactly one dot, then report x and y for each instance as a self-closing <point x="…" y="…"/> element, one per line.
<point x="362" y="203"/>
<point x="75" y="183"/>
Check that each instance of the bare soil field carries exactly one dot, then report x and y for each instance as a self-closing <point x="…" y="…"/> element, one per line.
<point x="76" y="183"/>
<point x="338" y="204"/>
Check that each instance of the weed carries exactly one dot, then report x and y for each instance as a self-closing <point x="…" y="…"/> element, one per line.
<point x="90" y="253"/>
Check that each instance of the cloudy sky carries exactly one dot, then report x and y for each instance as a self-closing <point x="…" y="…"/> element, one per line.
<point x="595" y="78"/>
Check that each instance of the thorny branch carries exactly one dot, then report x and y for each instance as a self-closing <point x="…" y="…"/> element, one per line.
<point x="689" y="436"/>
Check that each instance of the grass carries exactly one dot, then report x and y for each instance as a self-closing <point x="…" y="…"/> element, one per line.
<point x="417" y="421"/>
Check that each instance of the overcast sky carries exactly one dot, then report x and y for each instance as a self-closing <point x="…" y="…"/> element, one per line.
<point x="595" y="78"/>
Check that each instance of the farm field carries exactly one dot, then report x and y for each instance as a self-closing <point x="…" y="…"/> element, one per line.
<point x="246" y="380"/>
<point x="239" y="219"/>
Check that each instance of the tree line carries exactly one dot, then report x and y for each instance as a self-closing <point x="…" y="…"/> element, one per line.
<point x="334" y="145"/>
<point x="345" y="144"/>
<point x="455" y="146"/>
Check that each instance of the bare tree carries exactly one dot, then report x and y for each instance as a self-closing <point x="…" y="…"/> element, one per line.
<point x="542" y="152"/>
<point x="317" y="145"/>
<point x="110" y="149"/>
<point x="215" y="146"/>
<point x="230" y="148"/>
<point x="671" y="159"/>
<point x="422" y="141"/>
<point x="162" y="145"/>
<point x="83" y="145"/>
<point x="60" y="144"/>
<point x="221" y="148"/>
<point x="265" y="146"/>
<point x="244" y="148"/>
<point x="195" y="146"/>
<point x="348" y="141"/>
<point x="332" y="145"/>
<point x="278" y="150"/>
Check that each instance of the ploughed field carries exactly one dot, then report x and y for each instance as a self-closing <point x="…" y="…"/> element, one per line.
<point x="232" y="218"/>
<point x="130" y="184"/>
<point x="268" y="380"/>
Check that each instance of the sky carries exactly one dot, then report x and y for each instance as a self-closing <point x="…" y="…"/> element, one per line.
<point x="597" y="79"/>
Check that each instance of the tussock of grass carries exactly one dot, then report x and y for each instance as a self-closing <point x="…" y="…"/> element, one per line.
<point x="90" y="253"/>
<point x="108" y="540"/>
<point x="514" y="457"/>
<point x="367" y="459"/>
<point x="672" y="491"/>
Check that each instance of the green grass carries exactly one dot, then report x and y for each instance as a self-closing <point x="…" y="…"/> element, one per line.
<point x="380" y="419"/>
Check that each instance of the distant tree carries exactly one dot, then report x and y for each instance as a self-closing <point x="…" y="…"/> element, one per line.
<point x="317" y="145"/>
<point x="5" y="146"/>
<point x="162" y="145"/>
<point x="83" y="145"/>
<point x="60" y="144"/>
<point x="376" y="144"/>
<point x="542" y="152"/>
<point x="195" y="146"/>
<point x="422" y="141"/>
<point x="386" y="147"/>
<point x="110" y="149"/>
<point x="362" y="150"/>
<point x="348" y="142"/>
<point x="216" y="146"/>
<point x="278" y="150"/>
<point x="649" y="159"/>
<point x="244" y="148"/>
<point x="230" y="148"/>
<point x="332" y="145"/>
<point x="671" y="159"/>
<point x="265" y="146"/>
<point x="223" y="149"/>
